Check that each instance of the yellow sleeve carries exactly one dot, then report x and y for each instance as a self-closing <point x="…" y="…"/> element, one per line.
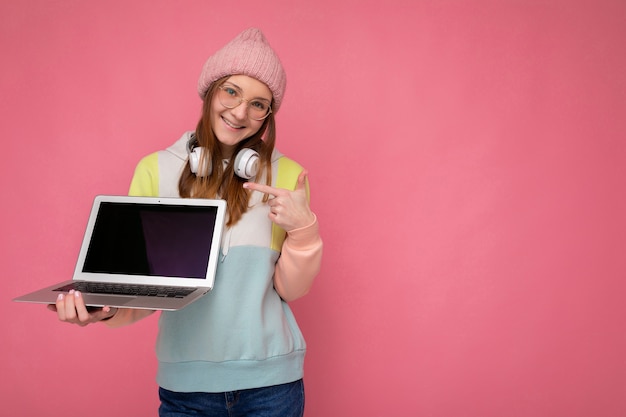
<point x="287" y="177"/>
<point x="145" y="182"/>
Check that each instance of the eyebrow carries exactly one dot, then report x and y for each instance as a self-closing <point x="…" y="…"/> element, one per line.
<point x="232" y="84"/>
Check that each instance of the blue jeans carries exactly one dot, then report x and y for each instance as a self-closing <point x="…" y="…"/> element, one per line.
<point x="286" y="400"/>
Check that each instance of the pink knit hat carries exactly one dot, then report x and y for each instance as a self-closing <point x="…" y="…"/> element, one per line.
<point x="248" y="54"/>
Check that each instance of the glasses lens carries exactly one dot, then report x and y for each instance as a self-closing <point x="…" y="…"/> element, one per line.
<point x="230" y="98"/>
<point x="258" y="110"/>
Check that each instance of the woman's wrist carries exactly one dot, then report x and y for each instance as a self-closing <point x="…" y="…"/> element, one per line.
<point x="114" y="310"/>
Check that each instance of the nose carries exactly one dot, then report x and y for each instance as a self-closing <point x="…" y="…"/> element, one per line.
<point x="241" y="111"/>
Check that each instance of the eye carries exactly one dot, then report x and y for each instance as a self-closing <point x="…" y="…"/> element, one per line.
<point x="230" y="91"/>
<point x="259" y="105"/>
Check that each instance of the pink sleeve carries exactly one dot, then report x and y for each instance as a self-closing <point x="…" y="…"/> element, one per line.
<point x="299" y="262"/>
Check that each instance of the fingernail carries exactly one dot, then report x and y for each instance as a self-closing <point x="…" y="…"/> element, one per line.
<point x="77" y="294"/>
<point x="60" y="297"/>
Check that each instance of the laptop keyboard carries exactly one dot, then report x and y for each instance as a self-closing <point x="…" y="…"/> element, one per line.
<point x="127" y="289"/>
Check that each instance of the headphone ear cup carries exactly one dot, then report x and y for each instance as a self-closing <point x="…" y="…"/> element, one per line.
<point x="195" y="157"/>
<point x="247" y="163"/>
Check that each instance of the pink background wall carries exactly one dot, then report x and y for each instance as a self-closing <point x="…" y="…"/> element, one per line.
<point x="467" y="164"/>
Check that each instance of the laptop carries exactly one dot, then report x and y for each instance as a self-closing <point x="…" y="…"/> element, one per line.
<point x="145" y="252"/>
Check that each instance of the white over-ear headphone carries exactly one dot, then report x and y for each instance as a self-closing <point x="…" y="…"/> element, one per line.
<point x="246" y="161"/>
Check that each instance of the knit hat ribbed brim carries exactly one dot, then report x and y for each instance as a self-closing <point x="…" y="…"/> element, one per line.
<point x="249" y="54"/>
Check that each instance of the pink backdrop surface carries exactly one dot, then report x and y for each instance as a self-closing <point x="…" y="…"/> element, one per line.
<point x="467" y="164"/>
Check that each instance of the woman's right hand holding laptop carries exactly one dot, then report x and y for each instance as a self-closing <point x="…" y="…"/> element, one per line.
<point x="71" y="308"/>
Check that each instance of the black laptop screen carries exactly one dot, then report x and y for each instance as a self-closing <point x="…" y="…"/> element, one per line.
<point x="151" y="239"/>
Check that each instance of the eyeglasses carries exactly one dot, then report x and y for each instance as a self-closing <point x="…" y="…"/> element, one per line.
<point x="231" y="97"/>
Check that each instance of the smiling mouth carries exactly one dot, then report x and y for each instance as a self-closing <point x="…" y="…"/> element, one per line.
<point x="234" y="126"/>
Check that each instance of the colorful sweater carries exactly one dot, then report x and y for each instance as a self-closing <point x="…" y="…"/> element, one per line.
<point x="242" y="334"/>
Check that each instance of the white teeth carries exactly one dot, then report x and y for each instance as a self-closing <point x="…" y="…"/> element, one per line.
<point x="231" y="125"/>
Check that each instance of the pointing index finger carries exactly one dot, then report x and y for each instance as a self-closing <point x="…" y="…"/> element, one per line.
<point x="262" y="188"/>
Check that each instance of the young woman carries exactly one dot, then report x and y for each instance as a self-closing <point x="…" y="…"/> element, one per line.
<point x="237" y="351"/>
